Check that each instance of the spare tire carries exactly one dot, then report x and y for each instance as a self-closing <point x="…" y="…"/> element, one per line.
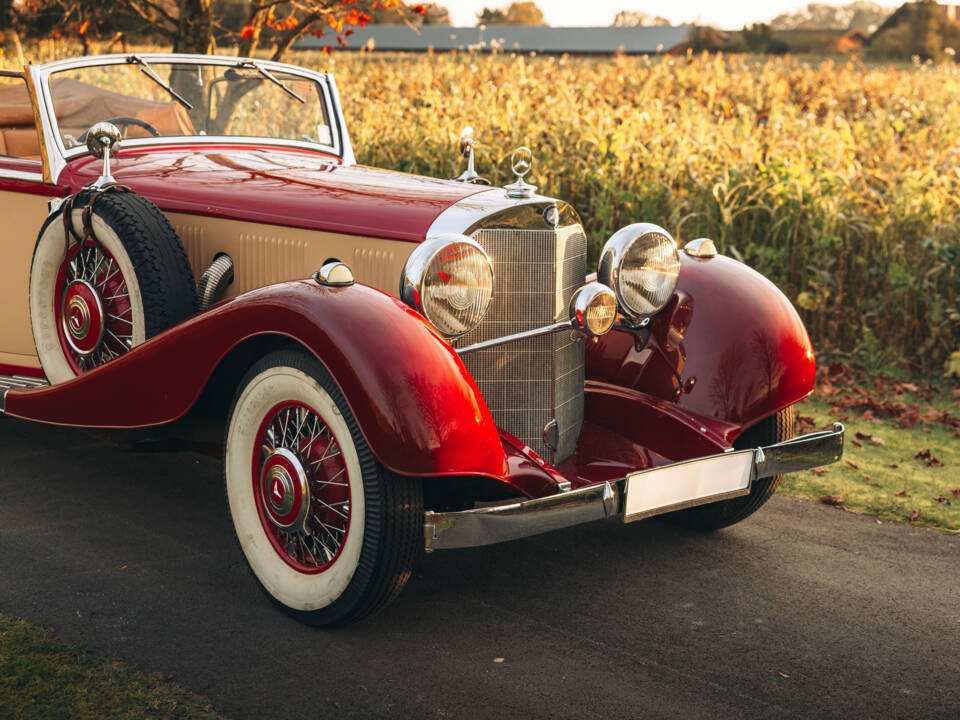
<point x="91" y="301"/>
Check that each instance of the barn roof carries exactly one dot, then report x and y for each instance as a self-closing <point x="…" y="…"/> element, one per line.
<point x="513" y="38"/>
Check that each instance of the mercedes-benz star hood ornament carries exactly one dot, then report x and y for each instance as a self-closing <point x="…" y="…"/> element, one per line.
<point x="521" y="162"/>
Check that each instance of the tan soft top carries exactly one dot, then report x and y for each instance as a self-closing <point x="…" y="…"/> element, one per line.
<point x="78" y="106"/>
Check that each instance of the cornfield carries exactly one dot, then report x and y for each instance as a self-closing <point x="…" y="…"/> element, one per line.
<point x="839" y="181"/>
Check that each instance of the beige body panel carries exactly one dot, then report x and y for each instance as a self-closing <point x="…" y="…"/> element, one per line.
<point x="22" y="215"/>
<point x="266" y="254"/>
<point x="262" y="255"/>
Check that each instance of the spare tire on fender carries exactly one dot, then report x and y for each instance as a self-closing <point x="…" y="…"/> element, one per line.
<point x="96" y="295"/>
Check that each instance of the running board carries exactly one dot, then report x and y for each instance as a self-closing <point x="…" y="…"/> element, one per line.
<point x="9" y="382"/>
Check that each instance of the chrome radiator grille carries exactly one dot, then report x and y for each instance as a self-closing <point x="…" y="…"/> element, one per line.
<point x="529" y="382"/>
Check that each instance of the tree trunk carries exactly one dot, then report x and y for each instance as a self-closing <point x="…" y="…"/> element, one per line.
<point x="194" y="35"/>
<point x="195" y="31"/>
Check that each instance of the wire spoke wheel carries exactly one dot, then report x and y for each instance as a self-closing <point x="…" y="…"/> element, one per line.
<point x="329" y="533"/>
<point x="94" y="314"/>
<point x="302" y="487"/>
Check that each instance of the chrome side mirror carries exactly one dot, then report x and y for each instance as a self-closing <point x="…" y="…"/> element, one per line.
<point x="103" y="141"/>
<point x="465" y="145"/>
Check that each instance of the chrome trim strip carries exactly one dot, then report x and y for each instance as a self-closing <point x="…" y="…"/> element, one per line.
<point x="20" y="175"/>
<point x="467" y="215"/>
<point x="11" y="382"/>
<point x="499" y="523"/>
<point x="556" y="327"/>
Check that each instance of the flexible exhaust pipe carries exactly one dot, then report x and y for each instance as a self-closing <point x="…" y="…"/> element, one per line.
<point x="215" y="280"/>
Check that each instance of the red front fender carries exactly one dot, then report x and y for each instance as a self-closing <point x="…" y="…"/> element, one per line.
<point x="414" y="401"/>
<point x="729" y="349"/>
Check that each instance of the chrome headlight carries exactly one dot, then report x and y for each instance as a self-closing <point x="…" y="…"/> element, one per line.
<point x="449" y="278"/>
<point x="640" y="262"/>
<point x="593" y="309"/>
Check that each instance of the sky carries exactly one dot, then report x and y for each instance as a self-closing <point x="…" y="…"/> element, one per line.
<point x="728" y="14"/>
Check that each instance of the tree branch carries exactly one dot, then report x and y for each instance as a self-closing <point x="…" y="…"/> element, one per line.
<point x="290" y="36"/>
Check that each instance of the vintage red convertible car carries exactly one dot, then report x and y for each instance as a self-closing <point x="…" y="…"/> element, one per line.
<point x="394" y="363"/>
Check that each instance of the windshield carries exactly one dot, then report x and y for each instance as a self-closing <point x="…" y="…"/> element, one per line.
<point x="163" y="99"/>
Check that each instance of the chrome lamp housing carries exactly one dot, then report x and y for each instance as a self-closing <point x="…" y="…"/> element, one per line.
<point x="640" y="262"/>
<point x="449" y="280"/>
<point x="593" y="309"/>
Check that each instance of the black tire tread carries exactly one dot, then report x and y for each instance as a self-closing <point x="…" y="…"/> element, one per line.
<point x="393" y="537"/>
<point x="163" y="270"/>
<point x="776" y="428"/>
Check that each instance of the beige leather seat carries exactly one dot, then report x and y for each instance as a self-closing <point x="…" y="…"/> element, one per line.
<point x="18" y="133"/>
<point x="80" y="105"/>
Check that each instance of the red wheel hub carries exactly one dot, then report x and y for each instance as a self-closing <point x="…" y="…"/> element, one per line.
<point x="301" y="487"/>
<point x="81" y="316"/>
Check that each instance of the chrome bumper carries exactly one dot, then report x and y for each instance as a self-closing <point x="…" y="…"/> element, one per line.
<point x="499" y="523"/>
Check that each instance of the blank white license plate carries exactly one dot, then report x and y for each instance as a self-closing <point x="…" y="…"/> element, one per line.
<point x="693" y="482"/>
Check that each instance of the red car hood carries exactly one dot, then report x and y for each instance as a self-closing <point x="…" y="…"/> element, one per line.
<point x="280" y="187"/>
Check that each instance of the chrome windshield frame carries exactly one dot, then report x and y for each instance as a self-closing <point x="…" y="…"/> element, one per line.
<point x="56" y="155"/>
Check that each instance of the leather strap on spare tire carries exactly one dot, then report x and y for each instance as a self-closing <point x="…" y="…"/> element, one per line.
<point x="108" y="273"/>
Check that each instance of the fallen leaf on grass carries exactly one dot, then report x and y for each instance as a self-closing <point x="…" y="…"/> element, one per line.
<point x="955" y="492"/>
<point x="893" y="466"/>
<point x="913" y="516"/>
<point x="928" y="458"/>
<point x="942" y="500"/>
<point x="877" y="440"/>
<point x="867" y="415"/>
<point x="854" y="466"/>
<point x="782" y="674"/>
<point x="872" y="438"/>
<point x="832" y="499"/>
<point x="822" y="470"/>
<point x="856" y="442"/>
<point x="876" y="484"/>
<point x="805" y="424"/>
<point x="902" y="493"/>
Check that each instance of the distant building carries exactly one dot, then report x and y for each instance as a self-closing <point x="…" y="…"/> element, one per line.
<point x="902" y="16"/>
<point x="511" y="38"/>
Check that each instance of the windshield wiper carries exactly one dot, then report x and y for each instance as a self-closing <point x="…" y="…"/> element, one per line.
<point x="271" y="77"/>
<point x="149" y="72"/>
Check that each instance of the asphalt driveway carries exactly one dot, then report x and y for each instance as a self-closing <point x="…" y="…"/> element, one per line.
<point x="801" y="611"/>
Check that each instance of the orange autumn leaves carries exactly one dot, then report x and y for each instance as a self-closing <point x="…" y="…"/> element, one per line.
<point x="342" y="19"/>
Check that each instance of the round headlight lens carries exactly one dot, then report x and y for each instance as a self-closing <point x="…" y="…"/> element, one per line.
<point x="449" y="278"/>
<point x="641" y="263"/>
<point x="593" y="309"/>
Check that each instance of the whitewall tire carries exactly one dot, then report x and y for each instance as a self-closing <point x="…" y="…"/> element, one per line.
<point x="93" y="301"/>
<point x="328" y="533"/>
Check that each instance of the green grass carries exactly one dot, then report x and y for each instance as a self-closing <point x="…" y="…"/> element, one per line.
<point x="42" y="678"/>
<point x="883" y="471"/>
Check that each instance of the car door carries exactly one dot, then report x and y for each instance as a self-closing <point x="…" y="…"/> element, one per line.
<point x="23" y="208"/>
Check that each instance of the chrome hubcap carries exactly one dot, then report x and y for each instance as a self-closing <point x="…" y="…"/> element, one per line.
<point x="82" y="317"/>
<point x="284" y="490"/>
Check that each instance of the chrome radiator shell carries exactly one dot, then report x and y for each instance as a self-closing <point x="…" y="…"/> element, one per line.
<point x="527" y="383"/>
